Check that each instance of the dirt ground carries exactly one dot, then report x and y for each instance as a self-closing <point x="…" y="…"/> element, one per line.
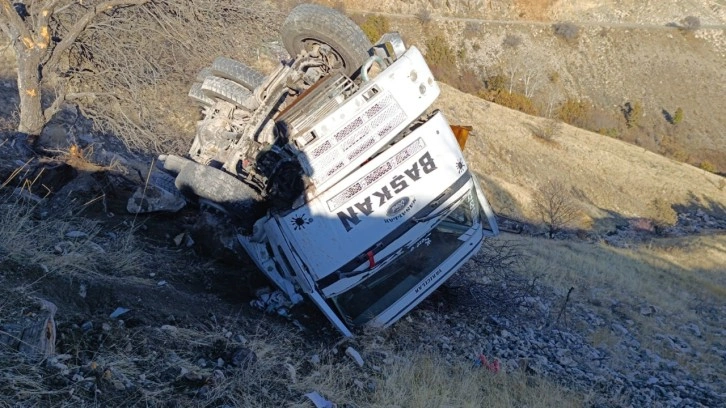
<point x="151" y="312"/>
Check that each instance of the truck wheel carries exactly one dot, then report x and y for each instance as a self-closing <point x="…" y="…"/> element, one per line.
<point x="199" y="97"/>
<point x="230" y="91"/>
<point x="238" y="199"/>
<point x="238" y="72"/>
<point x="310" y="24"/>
<point x="204" y="73"/>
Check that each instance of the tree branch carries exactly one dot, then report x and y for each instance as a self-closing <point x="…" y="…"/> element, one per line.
<point x="58" y="102"/>
<point x="5" y="28"/>
<point x="83" y="22"/>
<point x="17" y="23"/>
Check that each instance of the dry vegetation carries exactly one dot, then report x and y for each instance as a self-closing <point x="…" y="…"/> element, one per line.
<point x="169" y="345"/>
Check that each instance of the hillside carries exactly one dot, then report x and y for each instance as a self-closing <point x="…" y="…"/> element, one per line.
<point x="613" y="181"/>
<point x="626" y="306"/>
<point x="614" y="53"/>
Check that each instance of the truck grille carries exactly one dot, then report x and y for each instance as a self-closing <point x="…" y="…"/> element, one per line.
<point x="354" y="139"/>
<point x="375" y="174"/>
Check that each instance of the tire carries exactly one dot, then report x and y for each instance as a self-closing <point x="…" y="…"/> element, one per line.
<point x="199" y="97"/>
<point x="240" y="200"/>
<point x="204" y="74"/>
<point x="308" y="24"/>
<point x="238" y="72"/>
<point x="230" y="91"/>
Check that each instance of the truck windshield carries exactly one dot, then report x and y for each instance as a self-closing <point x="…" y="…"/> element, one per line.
<point x="374" y="295"/>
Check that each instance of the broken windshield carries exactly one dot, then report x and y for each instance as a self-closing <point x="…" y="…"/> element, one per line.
<point x="373" y="296"/>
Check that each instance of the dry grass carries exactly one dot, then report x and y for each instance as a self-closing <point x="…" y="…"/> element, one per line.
<point x="69" y="247"/>
<point x="667" y="273"/>
<point x="429" y="381"/>
<point x="681" y="279"/>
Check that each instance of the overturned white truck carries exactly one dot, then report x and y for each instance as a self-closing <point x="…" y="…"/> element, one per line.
<point x="342" y="182"/>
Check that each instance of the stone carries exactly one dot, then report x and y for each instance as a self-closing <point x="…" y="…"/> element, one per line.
<point x="353" y="354"/>
<point x="244" y="358"/>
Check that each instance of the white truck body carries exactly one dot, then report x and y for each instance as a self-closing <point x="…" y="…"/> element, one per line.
<point x="345" y="185"/>
<point x="386" y="217"/>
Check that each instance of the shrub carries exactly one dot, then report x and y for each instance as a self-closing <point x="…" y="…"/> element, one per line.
<point x="664" y="215"/>
<point x="610" y="132"/>
<point x="678" y="116"/>
<point x="513" y="100"/>
<point x="438" y="51"/>
<point x="555" y="205"/>
<point x="424" y="17"/>
<point x="511" y="41"/>
<point x="632" y="112"/>
<point x="548" y="131"/>
<point x="690" y="23"/>
<point x="442" y="60"/>
<point x="375" y="26"/>
<point x="469" y="82"/>
<point x="708" y="166"/>
<point x="566" y="30"/>
<point x="574" y="112"/>
<point x="495" y="83"/>
<point x="472" y="30"/>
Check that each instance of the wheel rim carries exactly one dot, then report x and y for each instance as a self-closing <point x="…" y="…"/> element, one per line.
<point x="310" y="43"/>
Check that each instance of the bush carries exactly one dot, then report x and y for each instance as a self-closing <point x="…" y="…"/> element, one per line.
<point x="469" y="82"/>
<point x="567" y="31"/>
<point x="511" y="41"/>
<point x="690" y="23"/>
<point x="664" y="215"/>
<point x="678" y="116"/>
<point x="708" y="166"/>
<point x="438" y="51"/>
<point x="556" y="207"/>
<point x="424" y="17"/>
<point x="574" y="112"/>
<point x="548" y="131"/>
<point x="495" y="83"/>
<point x="375" y="26"/>
<point x="513" y="100"/>
<point x="632" y="112"/>
<point x="609" y="132"/>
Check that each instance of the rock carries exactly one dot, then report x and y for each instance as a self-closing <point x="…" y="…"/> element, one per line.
<point x="352" y="353"/>
<point x="118" y="312"/>
<point x="244" y="357"/>
<point x="87" y="326"/>
<point x="76" y="234"/>
<point x="693" y="328"/>
<point x="118" y="385"/>
<point x="319" y="401"/>
<point x="159" y="195"/>
<point x="619" y="329"/>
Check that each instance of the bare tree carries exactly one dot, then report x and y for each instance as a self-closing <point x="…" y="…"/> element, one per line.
<point x="555" y="206"/>
<point x="39" y="41"/>
<point x="532" y="80"/>
<point x="127" y="64"/>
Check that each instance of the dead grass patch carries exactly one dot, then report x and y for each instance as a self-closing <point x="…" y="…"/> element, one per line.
<point x="69" y="247"/>
<point x="426" y="380"/>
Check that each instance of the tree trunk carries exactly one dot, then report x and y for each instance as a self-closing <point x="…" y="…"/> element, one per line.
<point x="32" y="119"/>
